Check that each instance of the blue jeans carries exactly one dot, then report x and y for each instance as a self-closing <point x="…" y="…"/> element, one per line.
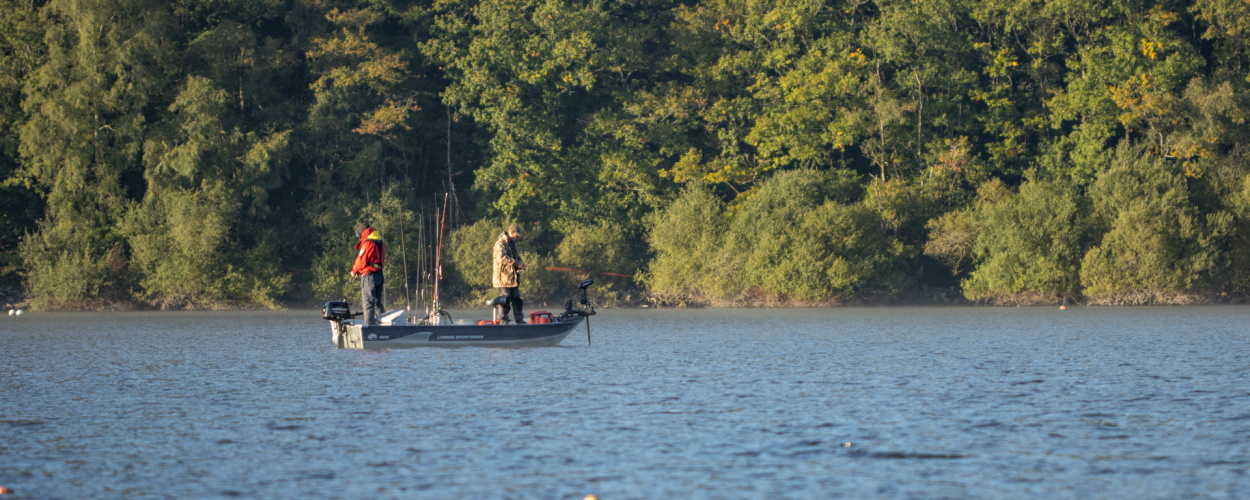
<point x="371" y="297"/>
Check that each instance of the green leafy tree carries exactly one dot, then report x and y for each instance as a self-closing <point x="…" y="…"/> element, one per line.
<point x="1227" y="24"/>
<point x="1126" y="71"/>
<point x="21" y="51"/>
<point x="372" y="149"/>
<point x="923" y="66"/>
<point x="602" y="252"/>
<point x="1020" y="47"/>
<point x="771" y="86"/>
<point x="767" y="228"/>
<point x="686" y="239"/>
<point x="88" y="108"/>
<point x="1158" y="247"/>
<point x="1028" y="245"/>
<point x="196" y="235"/>
<point x="536" y="74"/>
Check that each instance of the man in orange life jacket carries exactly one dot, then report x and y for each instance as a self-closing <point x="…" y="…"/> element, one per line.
<point x="368" y="267"/>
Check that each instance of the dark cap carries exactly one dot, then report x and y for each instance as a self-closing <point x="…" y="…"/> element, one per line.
<point x="361" y="228"/>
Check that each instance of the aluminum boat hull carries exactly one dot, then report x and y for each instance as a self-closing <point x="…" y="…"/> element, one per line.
<point x="357" y="336"/>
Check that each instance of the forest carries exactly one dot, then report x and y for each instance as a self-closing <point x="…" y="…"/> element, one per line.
<point x="215" y="154"/>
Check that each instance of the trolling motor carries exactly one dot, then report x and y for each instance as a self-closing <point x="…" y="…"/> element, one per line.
<point x="586" y="309"/>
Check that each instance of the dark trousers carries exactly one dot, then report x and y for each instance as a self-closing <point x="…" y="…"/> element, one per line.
<point x="371" y="297"/>
<point x="514" y="303"/>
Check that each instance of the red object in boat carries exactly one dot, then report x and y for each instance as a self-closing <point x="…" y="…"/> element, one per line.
<point x="540" y="317"/>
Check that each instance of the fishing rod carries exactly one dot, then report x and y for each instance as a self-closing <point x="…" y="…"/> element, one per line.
<point x="423" y="249"/>
<point x="438" y="259"/>
<point x="403" y="251"/>
<point x="588" y="272"/>
<point x="436" y="314"/>
<point x="420" y="256"/>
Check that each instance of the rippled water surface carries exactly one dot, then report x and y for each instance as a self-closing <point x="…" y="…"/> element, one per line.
<point x="746" y="403"/>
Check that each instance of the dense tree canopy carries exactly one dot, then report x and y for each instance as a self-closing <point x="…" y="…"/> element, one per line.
<point x="217" y="153"/>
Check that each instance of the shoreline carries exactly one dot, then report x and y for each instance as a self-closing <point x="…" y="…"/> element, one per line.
<point x="1221" y="300"/>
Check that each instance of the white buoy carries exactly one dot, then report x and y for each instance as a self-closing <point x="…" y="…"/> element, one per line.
<point x="12" y="312"/>
<point x="19" y="312"/>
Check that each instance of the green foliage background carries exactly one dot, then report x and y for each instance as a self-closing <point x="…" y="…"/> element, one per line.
<point x="216" y="154"/>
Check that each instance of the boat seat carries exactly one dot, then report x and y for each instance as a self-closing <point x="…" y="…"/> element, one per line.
<point x="496" y="305"/>
<point x="393" y="316"/>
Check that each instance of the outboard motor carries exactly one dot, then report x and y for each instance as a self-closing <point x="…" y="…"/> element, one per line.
<point x="337" y="311"/>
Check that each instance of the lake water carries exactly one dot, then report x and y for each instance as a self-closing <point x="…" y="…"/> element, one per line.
<point x="743" y="403"/>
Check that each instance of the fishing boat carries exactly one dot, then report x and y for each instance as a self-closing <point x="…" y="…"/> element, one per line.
<point x="438" y="330"/>
<point x="394" y="331"/>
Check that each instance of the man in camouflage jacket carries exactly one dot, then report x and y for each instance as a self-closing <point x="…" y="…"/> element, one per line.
<point x="506" y="275"/>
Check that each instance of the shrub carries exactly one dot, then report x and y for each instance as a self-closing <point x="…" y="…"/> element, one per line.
<point x="176" y="241"/>
<point x="67" y="267"/>
<point x="183" y="255"/>
<point x="685" y="238"/>
<point x="762" y="232"/>
<point x="1029" y="245"/>
<point x="951" y="237"/>
<point x="330" y="268"/>
<point x="598" y="249"/>
<point x="72" y="280"/>
<point x="1158" y="247"/>
<point x="1238" y="243"/>
<point x="839" y="252"/>
<point x="802" y="235"/>
<point x="468" y="255"/>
